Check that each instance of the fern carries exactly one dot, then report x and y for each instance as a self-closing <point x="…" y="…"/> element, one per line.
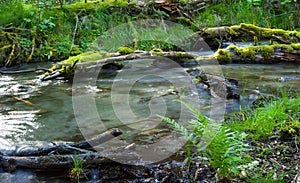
<point x="175" y="125"/>
<point x="224" y="152"/>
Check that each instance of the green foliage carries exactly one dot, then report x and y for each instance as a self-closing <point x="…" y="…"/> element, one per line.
<point x="78" y="169"/>
<point x="12" y="13"/>
<point x="265" y="120"/>
<point x="265" y="14"/>
<point x="226" y="151"/>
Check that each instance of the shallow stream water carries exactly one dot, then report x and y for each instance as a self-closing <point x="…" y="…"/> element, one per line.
<point x="35" y="113"/>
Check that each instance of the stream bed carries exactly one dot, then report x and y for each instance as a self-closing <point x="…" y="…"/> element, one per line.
<point x="35" y="113"/>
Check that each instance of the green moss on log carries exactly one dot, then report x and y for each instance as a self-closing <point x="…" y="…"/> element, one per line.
<point x="296" y="46"/>
<point x="156" y="50"/>
<point x="223" y="56"/>
<point x="292" y="36"/>
<point x="125" y="50"/>
<point x="87" y="57"/>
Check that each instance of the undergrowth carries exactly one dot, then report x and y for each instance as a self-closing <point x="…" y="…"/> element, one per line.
<point x="280" y="116"/>
<point x="223" y="145"/>
<point x="223" y="148"/>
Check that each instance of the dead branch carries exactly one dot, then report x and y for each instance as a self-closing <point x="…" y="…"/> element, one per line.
<point x="70" y="147"/>
<point x="10" y="163"/>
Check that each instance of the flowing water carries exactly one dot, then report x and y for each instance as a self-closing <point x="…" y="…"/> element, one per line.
<point x="34" y="113"/>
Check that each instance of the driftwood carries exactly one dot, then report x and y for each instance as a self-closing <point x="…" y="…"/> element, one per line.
<point x="44" y="158"/>
<point x="67" y="148"/>
<point x="10" y="163"/>
<point x="65" y="71"/>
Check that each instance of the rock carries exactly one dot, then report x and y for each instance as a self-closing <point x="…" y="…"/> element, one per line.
<point x="19" y="176"/>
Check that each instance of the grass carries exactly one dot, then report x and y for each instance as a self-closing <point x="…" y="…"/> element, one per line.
<point x="236" y="12"/>
<point x="78" y="169"/>
<point x="279" y="115"/>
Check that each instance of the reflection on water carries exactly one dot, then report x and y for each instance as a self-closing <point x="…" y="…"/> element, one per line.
<point x="269" y="79"/>
<point x="34" y="111"/>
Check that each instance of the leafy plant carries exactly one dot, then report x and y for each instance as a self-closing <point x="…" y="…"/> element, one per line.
<point x="225" y="152"/>
<point x="268" y="118"/>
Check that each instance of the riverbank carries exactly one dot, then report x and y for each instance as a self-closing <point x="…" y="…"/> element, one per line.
<point x="33" y="32"/>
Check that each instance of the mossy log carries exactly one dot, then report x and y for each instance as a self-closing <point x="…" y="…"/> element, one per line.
<point x="232" y="54"/>
<point x="257" y="54"/>
<point x="249" y="31"/>
<point x="66" y="69"/>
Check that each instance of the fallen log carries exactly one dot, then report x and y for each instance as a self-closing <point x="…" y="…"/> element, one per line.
<point x="69" y="148"/>
<point x="248" y="31"/>
<point x="262" y="54"/>
<point x="10" y="163"/>
<point x="137" y="55"/>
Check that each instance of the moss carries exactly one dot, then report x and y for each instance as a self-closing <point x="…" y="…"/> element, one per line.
<point x="250" y="27"/>
<point x="86" y="57"/>
<point x="247" y="53"/>
<point x="232" y="47"/>
<point x="284" y="47"/>
<point x="75" y="51"/>
<point x="296" y="46"/>
<point x="244" y="53"/>
<point x="289" y="129"/>
<point x="265" y="50"/>
<point x="55" y="67"/>
<point x="125" y="50"/>
<point x="268" y="33"/>
<point x="223" y="55"/>
<point x="156" y="50"/>
<point x="234" y="30"/>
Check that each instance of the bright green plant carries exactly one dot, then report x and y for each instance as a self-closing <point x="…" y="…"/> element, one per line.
<point x="225" y="152"/>
<point x="268" y="118"/>
<point x="78" y="169"/>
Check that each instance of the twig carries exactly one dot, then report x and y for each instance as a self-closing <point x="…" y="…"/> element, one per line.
<point x="32" y="49"/>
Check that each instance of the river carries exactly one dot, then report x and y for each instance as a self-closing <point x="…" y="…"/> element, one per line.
<point x="35" y="113"/>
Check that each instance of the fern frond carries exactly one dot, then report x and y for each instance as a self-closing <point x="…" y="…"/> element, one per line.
<point x="176" y="126"/>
